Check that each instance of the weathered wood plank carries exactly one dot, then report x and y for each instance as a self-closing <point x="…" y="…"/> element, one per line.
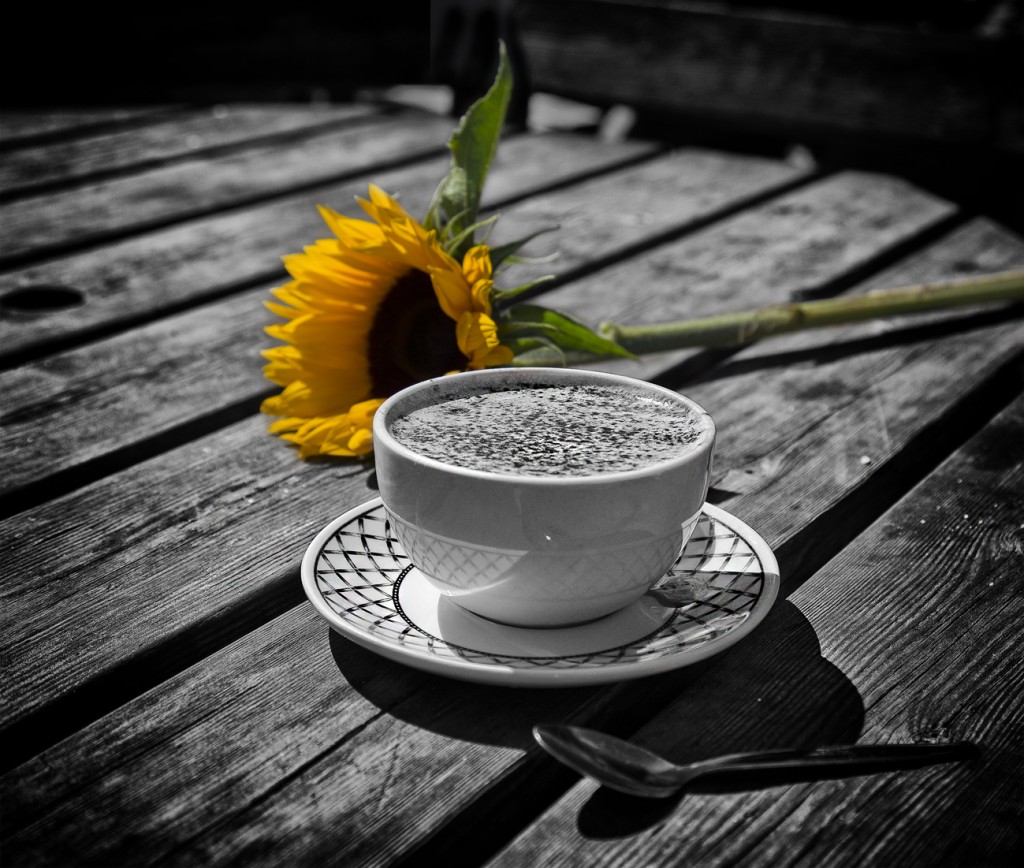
<point x="831" y="227"/>
<point x="283" y="676"/>
<point x="74" y="407"/>
<point x="26" y="127"/>
<point x="524" y="166"/>
<point x="818" y="235"/>
<point x="170" y="268"/>
<point x="928" y="587"/>
<point x="205" y="501"/>
<point x="267" y="751"/>
<point x="611" y="216"/>
<point x="42" y="224"/>
<point x="894" y="378"/>
<point x="112" y="409"/>
<point x="167" y="138"/>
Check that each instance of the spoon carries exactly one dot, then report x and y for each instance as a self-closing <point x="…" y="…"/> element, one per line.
<point x="628" y="768"/>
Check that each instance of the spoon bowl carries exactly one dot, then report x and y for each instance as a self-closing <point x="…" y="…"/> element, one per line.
<point x="631" y="769"/>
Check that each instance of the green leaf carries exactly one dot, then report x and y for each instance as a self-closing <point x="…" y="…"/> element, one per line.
<point x="457" y="241"/>
<point x="503" y="251"/>
<point x="530" y="320"/>
<point x="500" y="297"/>
<point x="536" y="352"/>
<point x="473" y="144"/>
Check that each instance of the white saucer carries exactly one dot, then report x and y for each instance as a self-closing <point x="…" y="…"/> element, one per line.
<point x="361" y="582"/>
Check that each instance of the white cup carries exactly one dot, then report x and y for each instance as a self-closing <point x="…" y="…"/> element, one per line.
<point x="539" y="551"/>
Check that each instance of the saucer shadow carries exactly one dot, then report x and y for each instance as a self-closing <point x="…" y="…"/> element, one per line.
<point x="773" y="690"/>
<point x="481" y="713"/>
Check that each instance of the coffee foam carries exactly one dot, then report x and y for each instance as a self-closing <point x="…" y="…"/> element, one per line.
<point x="556" y="430"/>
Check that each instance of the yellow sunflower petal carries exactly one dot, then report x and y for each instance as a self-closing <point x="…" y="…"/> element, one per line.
<point x="329" y="435"/>
<point x="349" y="229"/>
<point x="362" y="413"/>
<point x="481" y="295"/>
<point x="383" y="199"/>
<point x="476" y="264"/>
<point x="477" y="335"/>
<point x="453" y="293"/>
<point x="325" y="329"/>
<point x="282" y="311"/>
<point x="331" y="272"/>
<point x="359" y="296"/>
<point x="496" y="357"/>
<point x="382" y="208"/>
<point x="315" y="396"/>
<point x="288" y="424"/>
<point x="360" y="442"/>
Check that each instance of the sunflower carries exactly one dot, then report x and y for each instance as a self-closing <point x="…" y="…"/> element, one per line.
<point x="376" y="309"/>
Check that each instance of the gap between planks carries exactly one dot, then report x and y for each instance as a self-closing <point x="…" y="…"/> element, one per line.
<point x="132" y="442"/>
<point x="545" y="780"/>
<point x="257" y="451"/>
<point x="35" y="128"/>
<point x="195" y="135"/>
<point x="230" y="253"/>
<point x="46" y="226"/>
<point x="76" y="463"/>
<point x="498" y="814"/>
<point x="935" y="679"/>
<point x="963" y="410"/>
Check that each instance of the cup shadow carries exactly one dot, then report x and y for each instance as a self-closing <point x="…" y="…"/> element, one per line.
<point x="480" y="713"/>
<point x="773" y="690"/>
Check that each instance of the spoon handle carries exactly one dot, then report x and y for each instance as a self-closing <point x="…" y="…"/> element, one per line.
<point x="844" y="755"/>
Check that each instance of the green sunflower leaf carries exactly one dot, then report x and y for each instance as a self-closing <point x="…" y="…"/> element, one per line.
<point x="500" y="297"/>
<point x="470" y="231"/>
<point x="473" y="145"/>
<point x="536" y="352"/>
<point x="530" y="320"/>
<point x="503" y="251"/>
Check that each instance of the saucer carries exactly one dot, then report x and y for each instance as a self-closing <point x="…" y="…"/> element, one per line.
<point x="359" y="579"/>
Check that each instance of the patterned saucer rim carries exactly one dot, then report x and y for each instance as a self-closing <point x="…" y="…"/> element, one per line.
<point x="481" y="666"/>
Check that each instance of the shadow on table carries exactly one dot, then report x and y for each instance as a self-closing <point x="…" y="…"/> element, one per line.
<point x="773" y="689"/>
<point x="480" y="713"/>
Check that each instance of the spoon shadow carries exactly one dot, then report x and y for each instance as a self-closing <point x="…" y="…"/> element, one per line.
<point x="773" y="690"/>
<point x="611" y="814"/>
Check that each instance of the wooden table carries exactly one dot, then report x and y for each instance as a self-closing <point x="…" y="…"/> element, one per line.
<point x="169" y="695"/>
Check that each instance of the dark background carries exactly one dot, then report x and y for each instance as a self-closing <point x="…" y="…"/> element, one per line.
<point x="190" y="53"/>
<point x="102" y="54"/>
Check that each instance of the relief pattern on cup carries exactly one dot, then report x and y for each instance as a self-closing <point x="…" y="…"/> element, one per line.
<point x="564" y="586"/>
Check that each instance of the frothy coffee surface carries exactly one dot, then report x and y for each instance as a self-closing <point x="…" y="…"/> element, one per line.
<point x="550" y="430"/>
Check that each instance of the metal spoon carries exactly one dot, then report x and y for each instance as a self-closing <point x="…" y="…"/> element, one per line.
<point x="631" y="769"/>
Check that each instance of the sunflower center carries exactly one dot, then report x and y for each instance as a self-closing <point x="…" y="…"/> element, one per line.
<point x="411" y="338"/>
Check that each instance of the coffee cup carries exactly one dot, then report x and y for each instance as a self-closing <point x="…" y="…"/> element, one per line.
<point x="542" y="497"/>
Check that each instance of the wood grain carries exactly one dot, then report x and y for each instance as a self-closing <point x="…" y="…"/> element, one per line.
<point x="47" y="445"/>
<point x="28" y="127"/>
<point x="169" y="137"/>
<point x="615" y="215"/>
<point x="164" y="270"/>
<point x="918" y="613"/>
<point x="44" y="224"/>
<point x="108" y="374"/>
<point x="265" y="751"/>
<point x="836" y="221"/>
<point x="802" y="243"/>
<point x="81" y="405"/>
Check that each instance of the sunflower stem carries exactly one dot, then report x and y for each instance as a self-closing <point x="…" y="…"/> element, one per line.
<point x="740" y="328"/>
